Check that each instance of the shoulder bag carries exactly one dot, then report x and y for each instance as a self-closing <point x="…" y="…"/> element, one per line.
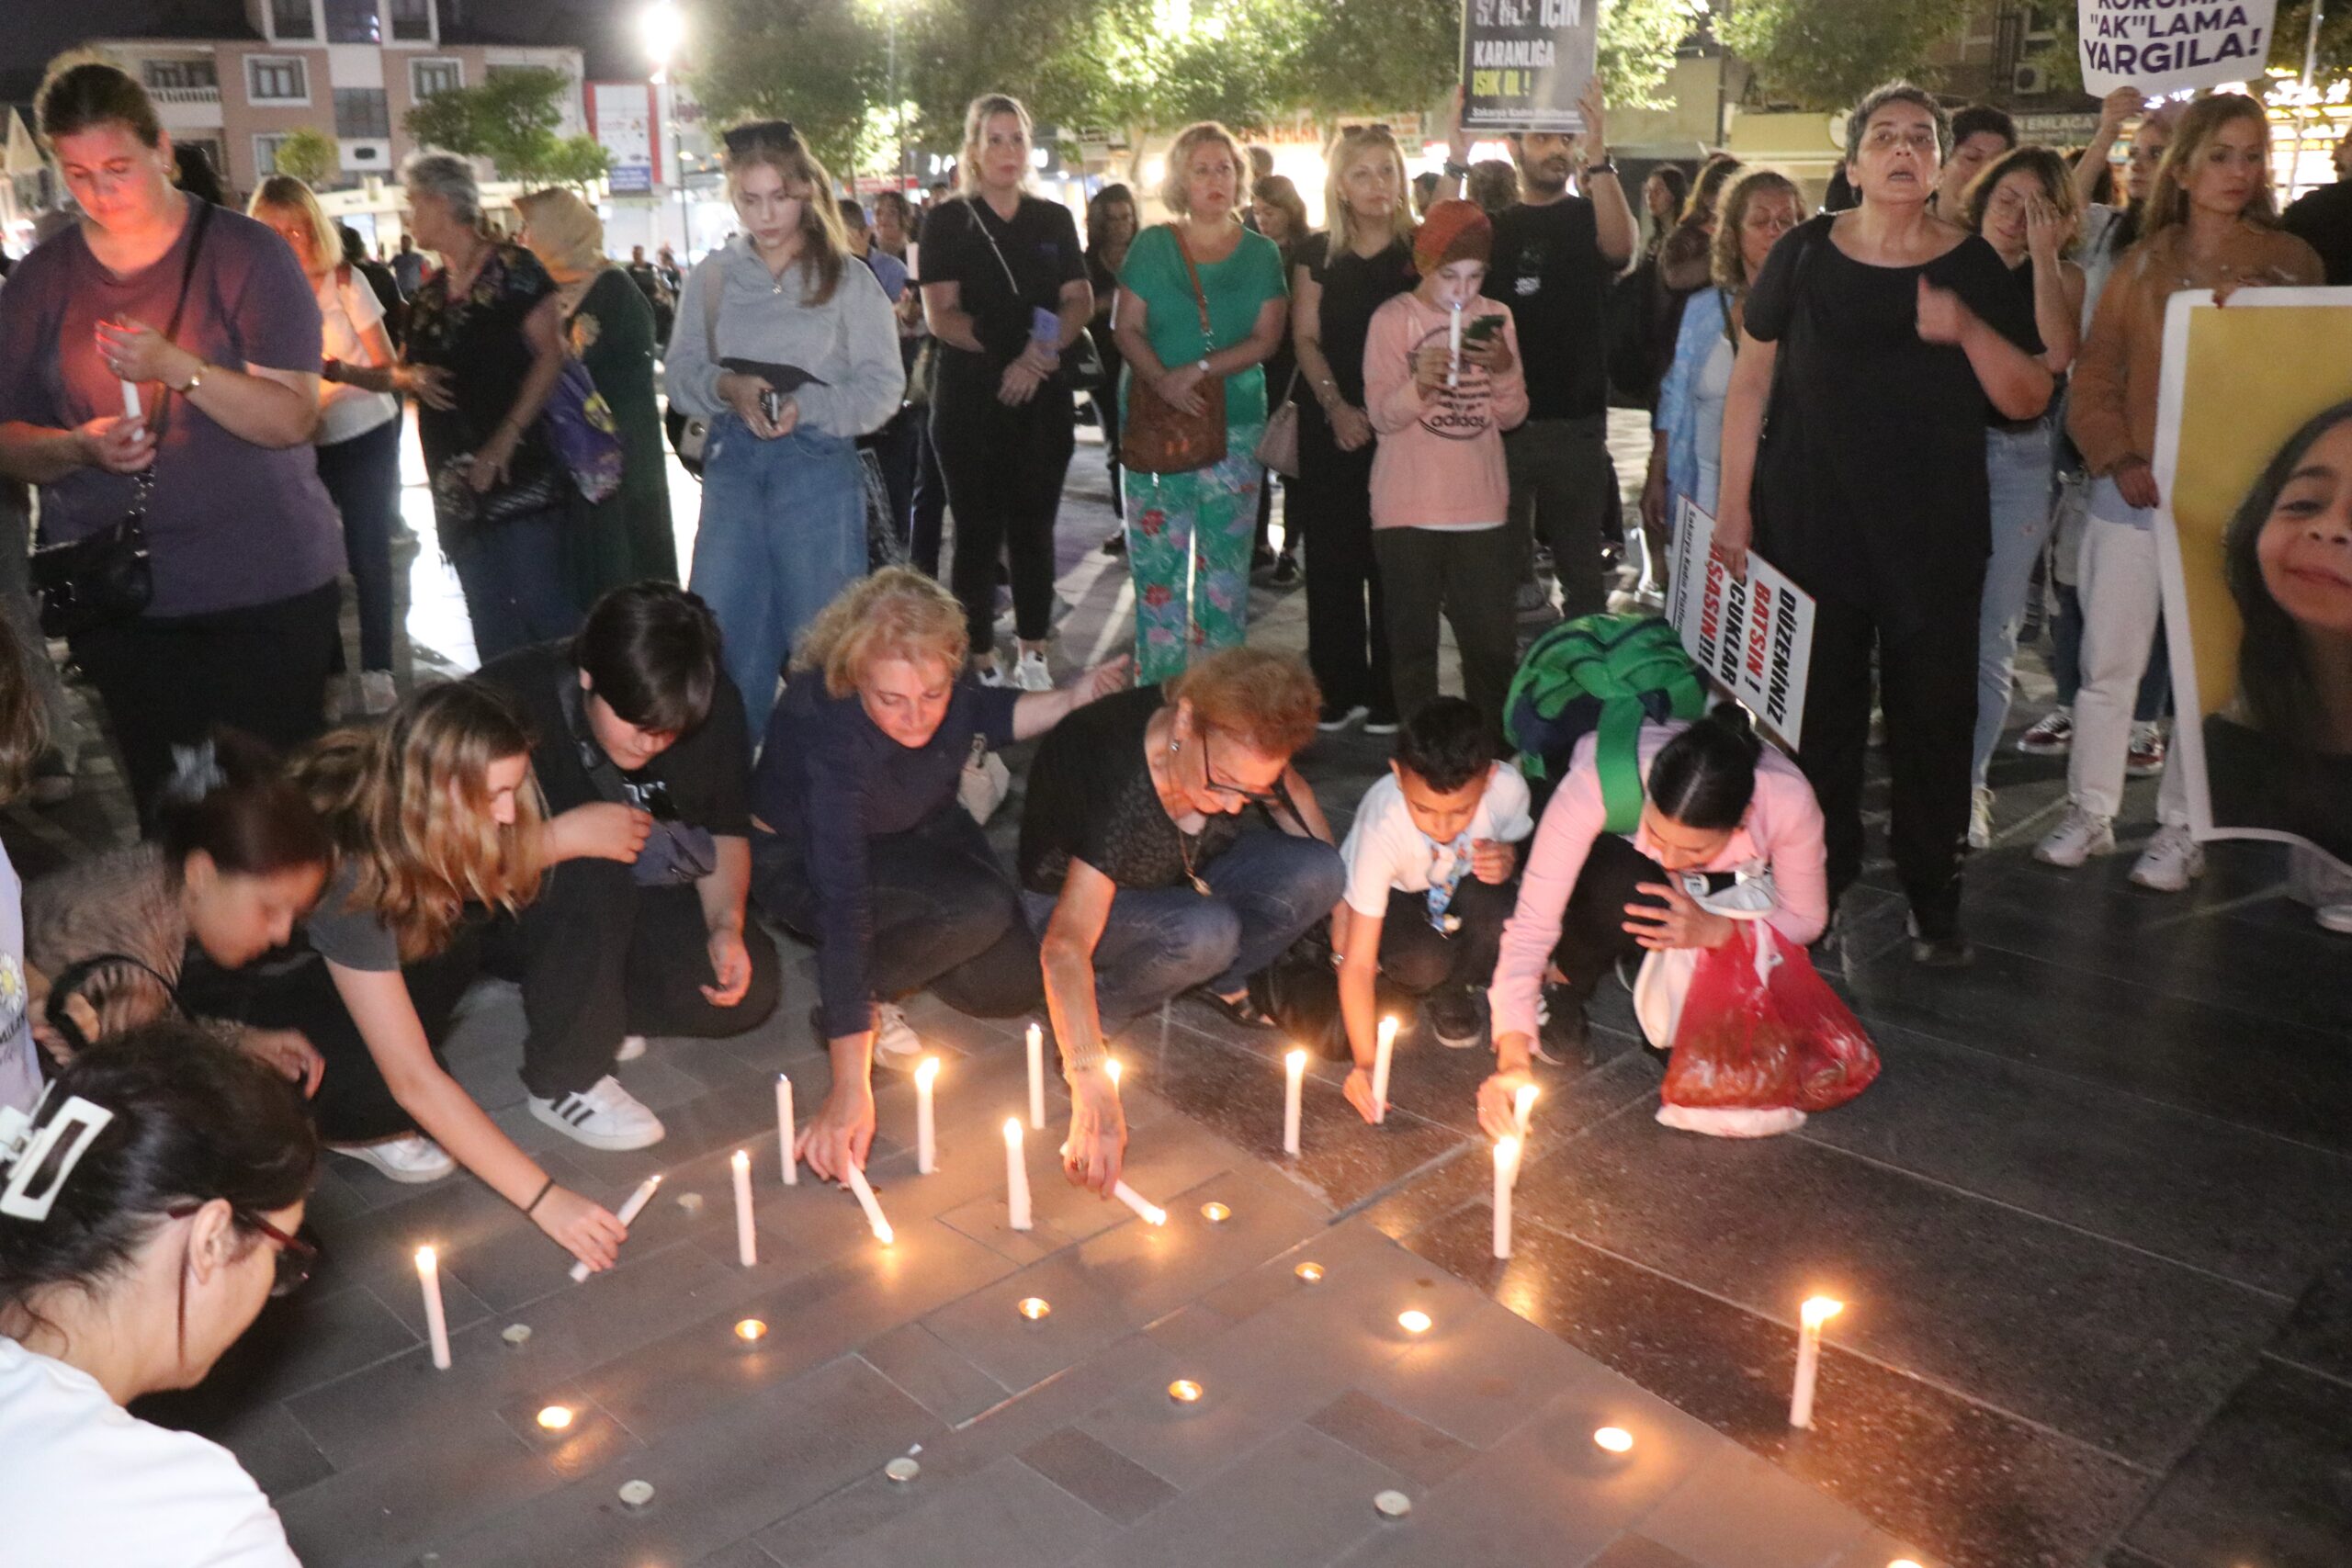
<point x="689" y="433"/>
<point x="1159" y="437"/>
<point x="107" y="575"/>
<point x="1278" y="448"/>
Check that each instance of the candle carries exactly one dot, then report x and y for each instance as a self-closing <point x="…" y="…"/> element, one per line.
<point x="1016" y="1177"/>
<point x="437" y="1323"/>
<point x="1380" y="1056"/>
<point x="1524" y="1103"/>
<point x="1414" y="1321"/>
<point x="751" y="1329"/>
<point x="131" y="400"/>
<point x="1036" y="1077"/>
<point x="629" y="1210"/>
<point x="1817" y="1310"/>
<point x="1453" y="345"/>
<point x="747" y="1244"/>
<point x="1613" y="1439"/>
<point x="784" y="1133"/>
<point x="926" y="1127"/>
<point x="1150" y="1213"/>
<point x="1506" y="1173"/>
<point x="856" y="1176"/>
<point x="1294" y="1065"/>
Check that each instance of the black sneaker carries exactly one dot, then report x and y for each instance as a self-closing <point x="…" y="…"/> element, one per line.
<point x="1563" y="1037"/>
<point x="1949" y="949"/>
<point x="1285" y="570"/>
<point x="1452" y="1014"/>
<point x="1116" y="544"/>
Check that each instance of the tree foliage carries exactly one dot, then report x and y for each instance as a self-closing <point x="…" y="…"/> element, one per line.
<point x="1827" y="53"/>
<point x="510" y="119"/>
<point x="818" y="63"/>
<point x="311" y="157"/>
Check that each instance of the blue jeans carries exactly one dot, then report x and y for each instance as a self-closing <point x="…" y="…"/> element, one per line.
<point x="783" y="533"/>
<point x="1158" y="943"/>
<point x="511" y="575"/>
<point x="2021" y="468"/>
<point x="363" y="478"/>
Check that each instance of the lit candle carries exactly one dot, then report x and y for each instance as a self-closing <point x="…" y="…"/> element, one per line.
<point x="1380" y="1056"/>
<point x="1524" y="1103"/>
<point x="926" y="1127"/>
<point x="1614" y="1440"/>
<point x="1114" y="1069"/>
<point x="1294" y="1065"/>
<point x="1453" y="345"/>
<point x="1151" y="1213"/>
<point x="1016" y="1177"/>
<point x="1506" y="1173"/>
<point x="1817" y="1310"/>
<point x="784" y="1132"/>
<point x="437" y="1323"/>
<point x="747" y="1244"/>
<point x="1037" y="1078"/>
<point x="856" y="1176"/>
<point x="629" y="1210"/>
<point x="1414" y="1321"/>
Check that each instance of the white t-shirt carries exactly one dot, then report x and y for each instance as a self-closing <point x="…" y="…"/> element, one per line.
<point x="85" y="1483"/>
<point x="20" y="1074"/>
<point x="344" y="313"/>
<point x="1385" y="850"/>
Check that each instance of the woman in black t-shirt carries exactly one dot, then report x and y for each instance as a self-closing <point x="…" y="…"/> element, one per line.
<point x="1135" y="866"/>
<point x="1335" y="287"/>
<point x="1897" y="329"/>
<point x="1004" y="290"/>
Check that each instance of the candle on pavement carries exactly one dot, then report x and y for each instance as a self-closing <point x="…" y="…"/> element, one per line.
<point x="785" y="1134"/>
<point x="437" y="1323"/>
<point x="1379" y="1058"/>
<point x="1037" y="1078"/>
<point x="629" y="1210"/>
<point x="1506" y="1173"/>
<point x="1817" y="1310"/>
<point x="1016" y="1177"/>
<point x="747" y="1245"/>
<point x="1294" y="1067"/>
<point x="856" y="1176"/>
<point x="926" y="1127"/>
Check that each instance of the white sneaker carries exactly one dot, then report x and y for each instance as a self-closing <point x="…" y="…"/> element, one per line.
<point x="2334" y="918"/>
<point x="1980" y="819"/>
<point x="2076" y="839"/>
<point x="2171" y="862"/>
<point x="992" y="676"/>
<point x="603" y="1116"/>
<point x="632" y="1047"/>
<point x="895" y="1039"/>
<point x="411" y="1160"/>
<point x="376" y="693"/>
<point x="1031" y="674"/>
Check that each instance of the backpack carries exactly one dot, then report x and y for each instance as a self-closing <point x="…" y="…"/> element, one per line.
<point x="1602" y="674"/>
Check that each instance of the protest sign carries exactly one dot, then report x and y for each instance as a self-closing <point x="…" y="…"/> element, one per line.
<point x="1525" y="63"/>
<point x="1753" y="635"/>
<point x="2254" y="469"/>
<point x="2170" y="46"/>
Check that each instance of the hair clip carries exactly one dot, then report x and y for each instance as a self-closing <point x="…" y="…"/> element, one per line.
<point x="196" y="772"/>
<point x="26" y="1149"/>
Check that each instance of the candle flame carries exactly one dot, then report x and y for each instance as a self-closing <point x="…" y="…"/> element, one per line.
<point x="425" y="1258"/>
<point x="1012" y="1130"/>
<point x="1112" y="1068"/>
<point x="1506" y="1151"/>
<point x="740" y="1160"/>
<point x="1184" y="1391"/>
<point x="750" y="1328"/>
<point x="1310" y="1272"/>
<point x="927" y="1072"/>
<point x="884" y="1233"/>
<point x="1034" y="1307"/>
<point x="1616" y="1439"/>
<point x="1818" y="1310"/>
<point x="1415" y="1322"/>
<point x="1155" y="1215"/>
<point x="554" y="1417"/>
<point x="1525" y="1099"/>
<point x="1216" y="1214"/>
<point x="1387" y="1030"/>
<point x="1295" y="1061"/>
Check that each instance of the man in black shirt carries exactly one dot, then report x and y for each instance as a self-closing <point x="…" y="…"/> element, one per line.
<point x="638" y="928"/>
<point x="1554" y="257"/>
<point x="2322" y="218"/>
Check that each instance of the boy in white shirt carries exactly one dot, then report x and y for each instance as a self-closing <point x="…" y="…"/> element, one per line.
<point x="1429" y="862"/>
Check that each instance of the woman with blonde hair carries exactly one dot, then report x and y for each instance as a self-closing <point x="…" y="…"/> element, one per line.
<point x="797" y="358"/>
<point x="1200" y="296"/>
<point x="1004" y="291"/>
<point x="360" y="384"/>
<point x="608" y="325"/>
<point x="435" y="819"/>
<point x="1335" y="289"/>
<point x="860" y="845"/>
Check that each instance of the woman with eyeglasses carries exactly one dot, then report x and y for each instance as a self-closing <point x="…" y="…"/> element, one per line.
<point x="1135" y="866"/>
<point x="136" y="1244"/>
<point x="798" y="359"/>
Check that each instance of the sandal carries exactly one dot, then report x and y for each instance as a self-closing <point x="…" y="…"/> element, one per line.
<point x="1242" y="1010"/>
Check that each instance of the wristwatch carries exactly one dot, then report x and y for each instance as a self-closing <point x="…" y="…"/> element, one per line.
<point x="1456" y="171"/>
<point x="1606" y="166"/>
<point x="1203" y="366"/>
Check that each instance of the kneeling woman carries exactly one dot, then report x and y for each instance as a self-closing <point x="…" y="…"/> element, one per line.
<point x="862" y="846"/>
<point x="433" y="811"/>
<point x="1135" y="863"/>
<point x="1718" y="806"/>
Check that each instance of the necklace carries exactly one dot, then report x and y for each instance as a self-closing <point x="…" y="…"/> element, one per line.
<point x="1187" y="844"/>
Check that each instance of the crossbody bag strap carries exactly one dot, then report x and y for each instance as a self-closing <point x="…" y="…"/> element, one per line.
<point x="145" y="479"/>
<point x="973" y="204"/>
<point x="1200" y="296"/>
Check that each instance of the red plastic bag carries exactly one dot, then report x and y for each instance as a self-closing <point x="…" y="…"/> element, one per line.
<point x="1760" y="1030"/>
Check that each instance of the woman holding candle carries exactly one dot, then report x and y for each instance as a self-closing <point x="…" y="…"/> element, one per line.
<point x="860" y="844"/>
<point x="1134" y="863"/>
<point x="128" y="1262"/>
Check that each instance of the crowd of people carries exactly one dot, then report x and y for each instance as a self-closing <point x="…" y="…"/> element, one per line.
<point x="640" y="783"/>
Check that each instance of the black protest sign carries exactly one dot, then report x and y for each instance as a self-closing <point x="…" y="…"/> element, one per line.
<point x="1525" y="63"/>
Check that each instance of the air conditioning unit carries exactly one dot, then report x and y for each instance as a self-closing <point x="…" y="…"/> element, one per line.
<point x="2029" y="80"/>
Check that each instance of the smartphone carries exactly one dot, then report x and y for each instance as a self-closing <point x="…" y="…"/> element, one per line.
<point x="1045" y="327"/>
<point x="1479" y="329"/>
<point x="772" y="405"/>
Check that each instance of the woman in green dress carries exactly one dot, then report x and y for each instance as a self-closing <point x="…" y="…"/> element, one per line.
<point x="627" y="536"/>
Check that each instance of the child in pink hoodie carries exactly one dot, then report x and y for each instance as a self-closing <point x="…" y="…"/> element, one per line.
<point x="1440" y="494"/>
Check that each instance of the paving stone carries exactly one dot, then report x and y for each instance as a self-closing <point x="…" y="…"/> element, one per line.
<point x="1300" y="1497"/>
<point x="1738" y="1511"/>
<point x="1636" y="1551"/>
<point x="1107" y="1482"/>
<point x="1007" y="1513"/>
<point x="1414" y="1449"/>
<point x="2268" y="1482"/>
<point x="2318" y="1334"/>
<point x="937" y="1378"/>
<point x="473" y="1467"/>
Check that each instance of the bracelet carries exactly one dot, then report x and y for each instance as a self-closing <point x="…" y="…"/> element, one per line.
<point x="535" y="1203"/>
<point x="194" y="381"/>
<point x="1456" y="171"/>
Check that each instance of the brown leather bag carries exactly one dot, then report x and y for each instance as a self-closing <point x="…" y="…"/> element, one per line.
<point x="1159" y="437"/>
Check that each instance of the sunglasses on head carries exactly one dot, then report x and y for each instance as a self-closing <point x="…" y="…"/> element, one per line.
<point x="741" y="139"/>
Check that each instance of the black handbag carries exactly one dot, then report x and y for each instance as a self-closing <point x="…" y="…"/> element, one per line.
<point x="109" y="576"/>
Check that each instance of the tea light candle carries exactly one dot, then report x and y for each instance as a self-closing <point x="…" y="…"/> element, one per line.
<point x="1380" y="1058"/>
<point x="1037" y="1078"/>
<point x="1615" y="1440"/>
<point x="1309" y="1273"/>
<point x="747" y="1244"/>
<point x="436" y="1324"/>
<point x="856" y="1176"/>
<point x="629" y="1210"/>
<point x="1414" y="1321"/>
<point x="1506" y="1173"/>
<point x="1216" y="1214"/>
<point x="926" y="1128"/>
<point x="1016" y="1178"/>
<point x="1294" y="1065"/>
<point x="751" y="1329"/>
<point x="1034" y="1308"/>
<point x="1817" y="1310"/>
<point x="1184" y="1391"/>
<point x="784" y="1130"/>
<point x="554" y="1417"/>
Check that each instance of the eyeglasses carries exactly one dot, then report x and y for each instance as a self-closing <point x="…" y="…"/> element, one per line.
<point x="741" y="139"/>
<point x="1378" y="130"/>
<point x="1231" y="791"/>
<point x="296" y="1256"/>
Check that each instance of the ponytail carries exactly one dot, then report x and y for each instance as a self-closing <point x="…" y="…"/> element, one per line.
<point x="1704" y="777"/>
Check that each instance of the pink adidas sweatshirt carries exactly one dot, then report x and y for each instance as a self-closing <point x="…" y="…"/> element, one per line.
<point x="1440" y="460"/>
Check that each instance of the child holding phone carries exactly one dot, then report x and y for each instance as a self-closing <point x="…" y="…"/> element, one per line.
<point x="1442" y="383"/>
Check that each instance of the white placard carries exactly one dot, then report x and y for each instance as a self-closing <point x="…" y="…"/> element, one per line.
<point x="2171" y="46"/>
<point x="1753" y="635"/>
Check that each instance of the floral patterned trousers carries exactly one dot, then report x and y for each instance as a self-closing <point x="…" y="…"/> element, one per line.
<point x="1188" y="544"/>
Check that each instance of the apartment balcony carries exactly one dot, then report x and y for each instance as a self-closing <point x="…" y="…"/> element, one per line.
<point x="185" y="95"/>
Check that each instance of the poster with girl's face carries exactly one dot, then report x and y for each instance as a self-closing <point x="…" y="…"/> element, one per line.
<point x="2254" y="465"/>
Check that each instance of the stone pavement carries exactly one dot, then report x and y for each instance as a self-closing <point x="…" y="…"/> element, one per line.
<point x="2090" y="1227"/>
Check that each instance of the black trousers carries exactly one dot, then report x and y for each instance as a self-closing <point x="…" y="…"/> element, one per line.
<point x="1419" y="958"/>
<point x="599" y="956"/>
<point x="1347" y="616"/>
<point x="1106" y="415"/>
<point x="1592" y="930"/>
<point x="167" y="680"/>
<point x="1926" y="685"/>
<point x="1470" y="576"/>
<point x="1004" y="469"/>
<point x="946" y="916"/>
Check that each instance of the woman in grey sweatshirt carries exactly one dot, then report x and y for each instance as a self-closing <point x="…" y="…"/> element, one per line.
<point x="799" y="358"/>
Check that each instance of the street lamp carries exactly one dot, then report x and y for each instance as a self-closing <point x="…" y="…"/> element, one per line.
<point x="661" y="29"/>
<point x="897" y="100"/>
